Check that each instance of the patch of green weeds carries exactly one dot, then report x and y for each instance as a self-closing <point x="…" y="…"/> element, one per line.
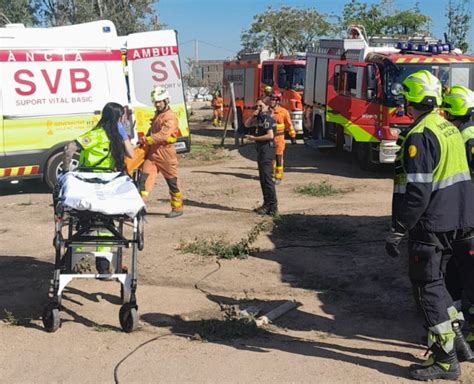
<point x="322" y="189"/>
<point x="225" y="249"/>
<point x="228" y="329"/>
<point x="10" y="317"/>
<point x="207" y="152"/>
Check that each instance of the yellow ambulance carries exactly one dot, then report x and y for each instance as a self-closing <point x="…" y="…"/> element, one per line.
<point x="55" y="81"/>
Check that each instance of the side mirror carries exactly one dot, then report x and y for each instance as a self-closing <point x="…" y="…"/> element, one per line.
<point x="371" y="82"/>
<point x="371" y="94"/>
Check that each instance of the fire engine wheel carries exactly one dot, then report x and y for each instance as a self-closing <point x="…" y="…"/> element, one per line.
<point x="54" y="167"/>
<point x="364" y="155"/>
<point x="128" y="317"/>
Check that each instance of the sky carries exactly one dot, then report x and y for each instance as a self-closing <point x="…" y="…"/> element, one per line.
<point x="217" y="24"/>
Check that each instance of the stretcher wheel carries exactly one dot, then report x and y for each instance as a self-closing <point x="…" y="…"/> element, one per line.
<point x="57" y="242"/>
<point x="128" y="317"/>
<point x="123" y="299"/>
<point x="141" y="234"/>
<point x="51" y="319"/>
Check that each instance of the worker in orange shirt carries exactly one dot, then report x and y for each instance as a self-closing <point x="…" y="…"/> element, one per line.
<point x="283" y="121"/>
<point x="217" y="104"/>
<point x="161" y="154"/>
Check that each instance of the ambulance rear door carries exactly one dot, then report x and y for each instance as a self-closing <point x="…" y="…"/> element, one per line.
<point x="2" y="146"/>
<point x="153" y="59"/>
<point x="55" y="82"/>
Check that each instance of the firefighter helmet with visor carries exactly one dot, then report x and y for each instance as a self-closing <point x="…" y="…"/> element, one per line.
<point x="159" y="94"/>
<point x="275" y="95"/>
<point x="458" y="101"/>
<point x="422" y="87"/>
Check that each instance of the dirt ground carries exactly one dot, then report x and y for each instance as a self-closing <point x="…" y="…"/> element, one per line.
<point x="356" y="320"/>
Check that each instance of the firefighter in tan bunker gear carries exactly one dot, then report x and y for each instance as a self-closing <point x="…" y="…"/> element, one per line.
<point x="283" y="123"/>
<point x="161" y="155"/>
<point x="217" y="104"/>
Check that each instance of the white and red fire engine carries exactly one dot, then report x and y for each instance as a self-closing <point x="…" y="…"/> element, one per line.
<point x="252" y="73"/>
<point x="352" y="90"/>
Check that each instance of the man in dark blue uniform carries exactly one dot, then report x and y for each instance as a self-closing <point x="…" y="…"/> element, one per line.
<point x="263" y="138"/>
<point x="432" y="201"/>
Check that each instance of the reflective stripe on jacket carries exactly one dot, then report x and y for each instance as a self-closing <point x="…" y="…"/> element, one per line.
<point x="283" y="121"/>
<point x="432" y="180"/>
<point x="467" y="132"/>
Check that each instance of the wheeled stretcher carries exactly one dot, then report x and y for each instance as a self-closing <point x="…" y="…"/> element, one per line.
<point x="93" y="214"/>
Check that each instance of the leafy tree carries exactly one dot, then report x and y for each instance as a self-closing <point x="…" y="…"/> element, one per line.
<point x="128" y="15"/>
<point x="189" y="77"/>
<point x="16" y="11"/>
<point x="357" y="13"/>
<point x="409" y="22"/>
<point x="459" y="17"/>
<point x="377" y="22"/>
<point x="284" y="30"/>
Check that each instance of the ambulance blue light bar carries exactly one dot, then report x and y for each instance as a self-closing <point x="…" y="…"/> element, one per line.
<point x="106" y="29"/>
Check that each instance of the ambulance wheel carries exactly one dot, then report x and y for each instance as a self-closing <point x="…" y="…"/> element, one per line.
<point x="51" y="319"/>
<point x="54" y="167"/>
<point x="128" y="317"/>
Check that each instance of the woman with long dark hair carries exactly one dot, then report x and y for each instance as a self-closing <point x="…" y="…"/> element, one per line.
<point x="104" y="146"/>
<point x="102" y="149"/>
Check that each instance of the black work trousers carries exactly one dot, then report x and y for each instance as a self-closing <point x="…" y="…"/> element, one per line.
<point x="460" y="271"/>
<point x="429" y="254"/>
<point x="265" y="157"/>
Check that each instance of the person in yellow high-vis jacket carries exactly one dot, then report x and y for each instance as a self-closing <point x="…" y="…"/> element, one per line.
<point x="283" y="123"/>
<point x="458" y="106"/>
<point x="161" y="155"/>
<point x="102" y="149"/>
<point x="432" y="203"/>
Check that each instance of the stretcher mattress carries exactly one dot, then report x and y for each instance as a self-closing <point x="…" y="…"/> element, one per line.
<point x="106" y="193"/>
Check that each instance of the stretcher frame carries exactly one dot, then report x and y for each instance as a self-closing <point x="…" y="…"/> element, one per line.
<point x="75" y="228"/>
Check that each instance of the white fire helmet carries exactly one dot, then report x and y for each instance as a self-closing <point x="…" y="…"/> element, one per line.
<point x="159" y="93"/>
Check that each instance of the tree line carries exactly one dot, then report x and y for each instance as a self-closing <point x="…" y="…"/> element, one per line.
<point x="128" y="15"/>
<point x="282" y="30"/>
<point x="289" y="29"/>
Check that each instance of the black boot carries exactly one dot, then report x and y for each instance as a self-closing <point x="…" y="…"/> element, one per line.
<point x="444" y="366"/>
<point x="462" y="347"/>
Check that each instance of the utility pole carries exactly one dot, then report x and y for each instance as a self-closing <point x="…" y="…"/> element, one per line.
<point x="196" y="50"/>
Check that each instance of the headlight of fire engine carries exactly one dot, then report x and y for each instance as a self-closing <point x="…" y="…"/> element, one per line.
<point x="395" y="132"/>
<point x="396" y="89"/>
